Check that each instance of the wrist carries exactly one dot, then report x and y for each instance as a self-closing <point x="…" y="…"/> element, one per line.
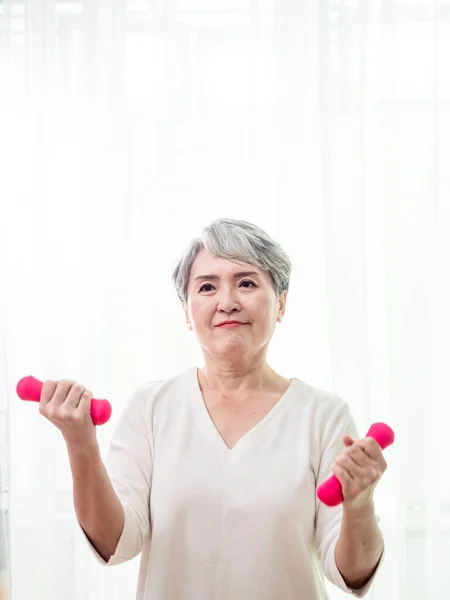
<point x="360" y="512"/>
<point x="79" y="449"/>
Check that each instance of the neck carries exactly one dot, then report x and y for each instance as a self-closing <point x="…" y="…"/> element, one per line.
<point x="232" y="380"/>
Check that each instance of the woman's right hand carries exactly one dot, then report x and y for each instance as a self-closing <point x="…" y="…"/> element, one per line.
<point x="67" y="405"/>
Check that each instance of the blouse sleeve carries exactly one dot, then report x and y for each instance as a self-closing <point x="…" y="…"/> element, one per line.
<point x="328" y="518"/>
<point x="129" y="465"/>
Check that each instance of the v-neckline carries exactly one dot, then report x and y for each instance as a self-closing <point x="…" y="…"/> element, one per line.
<point x="209" y="429"/>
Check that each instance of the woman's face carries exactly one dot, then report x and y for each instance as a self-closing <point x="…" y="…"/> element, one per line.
<point x="218" y="291"/>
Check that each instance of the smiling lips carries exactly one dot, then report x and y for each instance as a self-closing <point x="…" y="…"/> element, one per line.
<point x="230" y="324"/>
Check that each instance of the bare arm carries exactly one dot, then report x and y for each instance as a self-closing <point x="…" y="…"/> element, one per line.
<point x="359" y="547"/>
<point x="97" y="506"/>
<point x="99" y="511"/>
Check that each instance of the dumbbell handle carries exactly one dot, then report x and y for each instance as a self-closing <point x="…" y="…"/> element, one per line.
<point x="330" y="491"/>
<point x="30" y="388"/>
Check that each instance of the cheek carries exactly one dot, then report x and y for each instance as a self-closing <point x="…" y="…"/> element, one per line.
<point x="197" y="306"/>
<point x="202" y="312"/>
<point x="265" y="314"/>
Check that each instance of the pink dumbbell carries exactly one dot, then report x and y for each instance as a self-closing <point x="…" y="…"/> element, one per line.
<point x="29" y="388"/>
<point x="330" y="491"/>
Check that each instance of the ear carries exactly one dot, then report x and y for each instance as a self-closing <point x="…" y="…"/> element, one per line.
<point x="186" y="315"/>
<point x="282" y="299"/>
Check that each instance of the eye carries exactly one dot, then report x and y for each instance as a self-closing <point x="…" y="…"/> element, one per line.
<point x="244" y="281"/>
<point x="247" y="281"/>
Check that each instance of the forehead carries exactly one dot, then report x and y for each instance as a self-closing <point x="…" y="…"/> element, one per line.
<point x="206" y="263"/>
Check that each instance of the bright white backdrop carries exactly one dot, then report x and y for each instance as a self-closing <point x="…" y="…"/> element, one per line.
<point x="125" y="127"/>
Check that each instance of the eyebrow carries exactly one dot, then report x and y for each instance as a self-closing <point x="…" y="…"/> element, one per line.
<point x="236" y="275"/>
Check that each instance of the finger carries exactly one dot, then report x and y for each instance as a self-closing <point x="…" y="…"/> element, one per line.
<point x="372" y="448"/>
<point x="84" y="406"/>
<point x="345" y="479"/>
<point x="74" y="396"/>
<point x="374" y="451"/>
<point x="352" y="467"/>
<point x="342" y="468"/>
<point x="48" y="389"/>
<point x="62" y="390"/>
<point x="361" y="458"/>
<point x="367" y="476"/>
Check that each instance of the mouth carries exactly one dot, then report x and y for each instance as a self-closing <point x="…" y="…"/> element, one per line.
<point x="230" y="325"/>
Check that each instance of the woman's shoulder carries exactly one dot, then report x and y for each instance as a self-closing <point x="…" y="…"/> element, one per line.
<point x="157" y="391"/>
<point x="322" y="403"/>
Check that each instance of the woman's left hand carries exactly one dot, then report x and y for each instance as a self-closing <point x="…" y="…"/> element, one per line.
<point x="359" y="468"/>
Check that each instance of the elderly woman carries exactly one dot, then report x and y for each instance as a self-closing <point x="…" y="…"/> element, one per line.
<point x="212" y="473"/>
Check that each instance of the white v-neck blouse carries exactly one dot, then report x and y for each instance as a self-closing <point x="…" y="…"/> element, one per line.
<point x="215" y="523"/>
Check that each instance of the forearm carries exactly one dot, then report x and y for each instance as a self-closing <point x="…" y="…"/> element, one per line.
<point x="359" y="546"/>
<point x="97" y="506"/>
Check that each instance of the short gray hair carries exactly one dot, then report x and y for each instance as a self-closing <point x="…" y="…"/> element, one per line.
<point x="236" y="241"/>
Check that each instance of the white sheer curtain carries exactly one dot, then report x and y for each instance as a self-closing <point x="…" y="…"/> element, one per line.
<point x="127" y="126"/>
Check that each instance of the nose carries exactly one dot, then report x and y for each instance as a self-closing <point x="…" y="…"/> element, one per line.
<point x="227" y="301"/>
